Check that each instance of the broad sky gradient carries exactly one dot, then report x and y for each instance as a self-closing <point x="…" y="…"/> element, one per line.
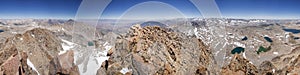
<point x="261" y="9"/>
<point x="38" y="8"/>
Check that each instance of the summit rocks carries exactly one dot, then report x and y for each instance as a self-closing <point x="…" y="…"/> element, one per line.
<point x="239" y="66"/>
<point x="154" y="50"/>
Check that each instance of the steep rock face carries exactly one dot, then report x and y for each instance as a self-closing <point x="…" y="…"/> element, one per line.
<point x="154" y="50"/>
<point x="17" y="64"/>
<point x="239" y="66"/>
<point x="267" y="68"/>
<point x="38" y="47"/>
<point x="63" y="64"/>
<point x="288" y="63"/>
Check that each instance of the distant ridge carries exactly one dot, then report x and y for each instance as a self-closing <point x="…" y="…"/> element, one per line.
<point x="153" y="23"/>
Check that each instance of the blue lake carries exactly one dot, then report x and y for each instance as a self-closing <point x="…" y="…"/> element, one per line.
<point x="237" y="50"/>
<point x="295" y="31"/>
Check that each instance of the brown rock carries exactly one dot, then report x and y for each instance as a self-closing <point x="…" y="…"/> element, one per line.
<point x="239" y="66"/>
<point x="155" y="50"/>
<point x="11" y="66"/>
<point x="267" y="68"/>
<point x="41" y="47"/>
<point x="66" y="61"/>
<point x="288" y="63"/>
<point x="24" y="69"/>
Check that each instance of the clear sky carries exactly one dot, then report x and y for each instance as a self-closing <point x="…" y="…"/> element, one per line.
<point x="229" y="8"/>
<point x="260" y="8"/>
<point x="116" y="8"/>
<point x="38" y="8"/>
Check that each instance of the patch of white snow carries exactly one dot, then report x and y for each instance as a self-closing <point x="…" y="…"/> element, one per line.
<point x="275" y="53"/>
<point x="244" y="55"/>
<point x="32" y="66"/>
<point x="125" y="70"/>
<point x="239" y="44"/>
<point x="67" y="45"/>
<point x="32" y="35"/>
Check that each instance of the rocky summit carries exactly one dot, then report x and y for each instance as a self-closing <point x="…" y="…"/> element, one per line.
<point x="155" y="50"/>
<point x="35" y="52"/>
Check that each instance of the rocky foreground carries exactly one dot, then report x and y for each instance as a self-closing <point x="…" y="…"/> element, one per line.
<point x="143" y="51"/>
<point x="35" y="52"/>
<point x="155" y="50"/>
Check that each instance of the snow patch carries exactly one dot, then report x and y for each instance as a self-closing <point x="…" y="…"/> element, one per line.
<point x="32" y="66"/>
<point x="267" y="36"/>
<point x="250" y="62"/>
<point x="221" y="35"/>
<point x="14" y="32"/>
<point x="125" y="70"/>
<point x="196" y="32"/>
<point x="67" y="45"/>
<point x="217" y="53"/>
<point x="32" y="35"/>
<point x="231" y="36"/>
<point x="63" y="29"/>
<point x="257" y="40"/>
<point x="244" y="55"/>
<point x="68" y="42"/>
<point x="275" y="53"/>
<point x="239" y="44"/>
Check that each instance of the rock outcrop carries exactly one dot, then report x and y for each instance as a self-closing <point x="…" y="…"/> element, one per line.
<point x="239" y="66"/>
<point x="34" y="52"/>
<point x="154" y="50"/>
<point x="288" y="64"/>
<point x="267" y="68"/>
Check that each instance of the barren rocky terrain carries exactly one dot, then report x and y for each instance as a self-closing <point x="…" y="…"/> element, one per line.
<point x="187" y="47"/>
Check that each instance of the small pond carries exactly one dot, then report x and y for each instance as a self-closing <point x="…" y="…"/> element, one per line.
<point x="263" y="49"/>
<point x="90" y="44"/>
<point x="245" y="38"/>
<point x="237" y="50"/>
<point x="268" y="39"/>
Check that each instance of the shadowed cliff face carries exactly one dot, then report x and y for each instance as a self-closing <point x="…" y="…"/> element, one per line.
<point x="155" y="50"/>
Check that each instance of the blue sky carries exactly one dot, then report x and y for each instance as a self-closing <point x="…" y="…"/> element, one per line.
<point x="260" y="8"/>
<point x="229" y="8"/>
<point x="38" y="8"/>
<point x="117" y="7"/>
